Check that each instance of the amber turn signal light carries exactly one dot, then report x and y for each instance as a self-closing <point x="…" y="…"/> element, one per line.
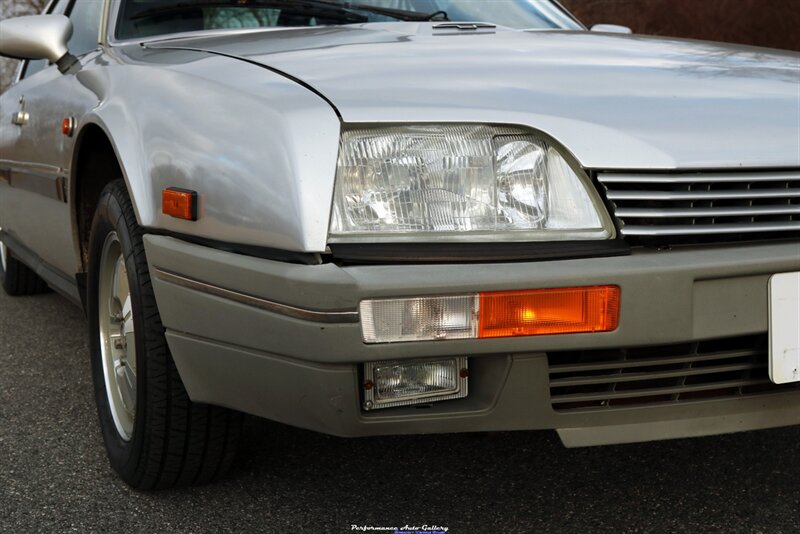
<point x="68" y="126"/>
<point x="179" y="203"/>
<point x="527" y="312"/>
<point x="536" y="312"/>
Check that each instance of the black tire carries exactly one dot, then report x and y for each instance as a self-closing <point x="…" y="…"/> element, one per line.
<point x="174" y="441"/>
<point x="19" y="279"/>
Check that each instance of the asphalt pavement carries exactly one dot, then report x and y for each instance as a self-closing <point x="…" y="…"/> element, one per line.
<point x="54" y="476"/>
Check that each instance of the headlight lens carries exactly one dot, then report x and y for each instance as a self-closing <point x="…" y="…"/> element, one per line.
<point x="460" y="182"/>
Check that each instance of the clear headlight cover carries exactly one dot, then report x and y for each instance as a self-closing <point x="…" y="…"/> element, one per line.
<point x="459" y="183"/>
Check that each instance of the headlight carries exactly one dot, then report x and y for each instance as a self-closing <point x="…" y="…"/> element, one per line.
<point x="460" y="183"/>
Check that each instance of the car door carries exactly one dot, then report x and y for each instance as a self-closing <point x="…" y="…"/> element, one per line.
<point x="37" y="153"/>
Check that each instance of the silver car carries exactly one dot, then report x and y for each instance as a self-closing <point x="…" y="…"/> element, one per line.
<point x="403" y="216"/>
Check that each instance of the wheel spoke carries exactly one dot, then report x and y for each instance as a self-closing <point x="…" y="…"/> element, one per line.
<point x="115" y="337"/>
<point x="121" y="292"/>
<point x="127" y="314"/>
<point x="130" y="352"/>
<point x="126" y="383"/>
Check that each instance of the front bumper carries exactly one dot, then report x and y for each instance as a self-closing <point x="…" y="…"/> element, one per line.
<point x="305" y="372"/>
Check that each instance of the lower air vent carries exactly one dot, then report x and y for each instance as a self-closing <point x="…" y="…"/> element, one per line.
<point x="667" y="374"/>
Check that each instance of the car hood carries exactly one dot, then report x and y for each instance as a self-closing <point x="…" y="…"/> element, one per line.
<point x="614" y="101"/>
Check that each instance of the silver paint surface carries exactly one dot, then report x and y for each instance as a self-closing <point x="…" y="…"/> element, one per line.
<point x="35" y="37"/>
<point x="616" y="101"/>
<point x="251" y="119"/>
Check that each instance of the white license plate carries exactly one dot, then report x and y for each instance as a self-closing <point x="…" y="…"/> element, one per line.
<point x="784" y="328"/>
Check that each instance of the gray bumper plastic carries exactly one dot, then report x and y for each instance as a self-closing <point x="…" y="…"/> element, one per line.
<point x="305" y="373"/>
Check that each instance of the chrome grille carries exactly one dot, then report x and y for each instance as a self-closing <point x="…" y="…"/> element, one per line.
<point x="704" y="206"/>
<point x="668" y="374"/>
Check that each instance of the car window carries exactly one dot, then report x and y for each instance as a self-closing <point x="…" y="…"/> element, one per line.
<point x="85" y="16"/>
<point x="31" y="67"/>
<point x="224" y="18"/>
<point x="147" y="18"/>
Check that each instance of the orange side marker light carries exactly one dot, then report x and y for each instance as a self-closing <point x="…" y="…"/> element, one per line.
<point x="179" y="203"/>
<point x="68" y="126"/>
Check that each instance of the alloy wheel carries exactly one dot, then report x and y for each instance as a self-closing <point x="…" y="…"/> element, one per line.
<point x="117" y="340"/>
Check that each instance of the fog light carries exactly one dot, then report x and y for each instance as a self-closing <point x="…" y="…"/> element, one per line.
<point x="395" y="383"/>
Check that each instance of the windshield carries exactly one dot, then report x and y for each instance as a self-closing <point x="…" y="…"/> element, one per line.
<point x="147" y="18"/>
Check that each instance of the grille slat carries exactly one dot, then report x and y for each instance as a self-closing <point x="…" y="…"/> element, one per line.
<point x="704" y="207"/>
<point x="709" y="212"/>
<point x="744" y="194"/>
<point x="665" y="374"/>
<point x="716" y="229"/>
<point x="634" y="377"/>
<point x="701" y="178"/>
<point x="650" y="362"/>
<point x="650" y="392"/>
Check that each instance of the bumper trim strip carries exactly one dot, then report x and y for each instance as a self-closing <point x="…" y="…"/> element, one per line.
<point x="257" y="302"/>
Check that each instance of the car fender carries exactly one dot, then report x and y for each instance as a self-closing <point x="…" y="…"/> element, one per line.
<point x="258" y="148"/>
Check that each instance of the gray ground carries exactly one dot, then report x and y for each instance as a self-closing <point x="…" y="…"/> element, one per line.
<point x="54" y="475"/>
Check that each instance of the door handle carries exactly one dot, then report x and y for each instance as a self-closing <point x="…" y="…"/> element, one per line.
<point x="21" y="117"/>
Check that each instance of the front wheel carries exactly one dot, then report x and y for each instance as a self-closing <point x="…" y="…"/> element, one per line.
<point x="155" y="436"/>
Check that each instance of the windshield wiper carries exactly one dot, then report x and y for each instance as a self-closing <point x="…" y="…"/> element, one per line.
<point x="400" y="14"/>
<point x="315" y="8"/>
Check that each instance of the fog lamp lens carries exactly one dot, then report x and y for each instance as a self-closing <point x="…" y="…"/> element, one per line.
<point x="403" y="383"/>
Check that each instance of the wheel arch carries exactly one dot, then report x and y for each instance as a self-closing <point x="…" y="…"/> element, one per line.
<point x="98" y="160"/>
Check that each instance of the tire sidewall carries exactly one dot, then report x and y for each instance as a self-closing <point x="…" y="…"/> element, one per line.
<point x="110" y="217"/>
<point x="10" y="265"/>
<point x="3" y="271"/>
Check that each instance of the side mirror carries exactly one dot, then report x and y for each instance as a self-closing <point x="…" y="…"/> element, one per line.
<point x="38" y="37"/>
<point x="611" y="28"/>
